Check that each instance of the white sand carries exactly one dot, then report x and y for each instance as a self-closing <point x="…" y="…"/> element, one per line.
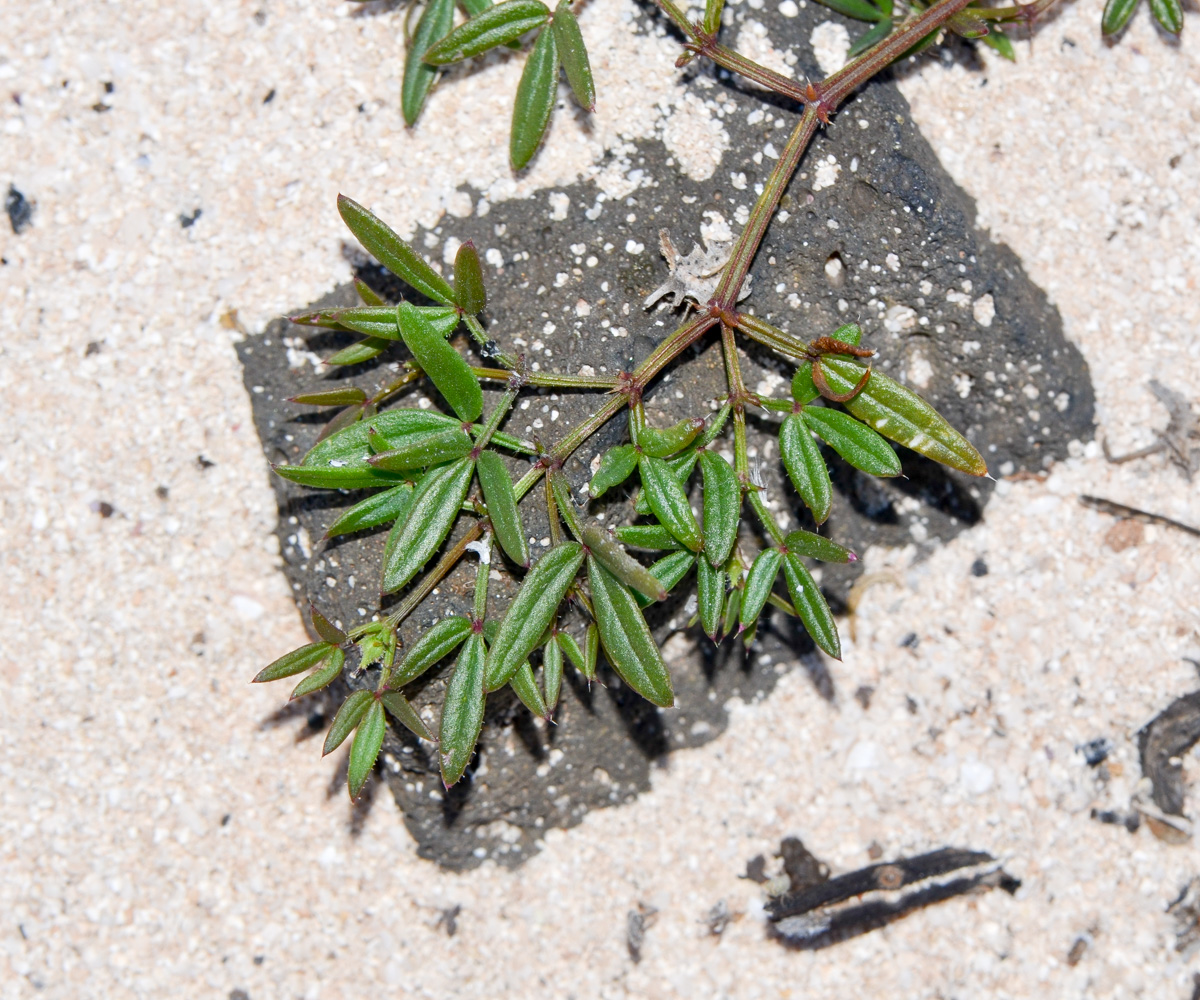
<point x="129" y="729"/>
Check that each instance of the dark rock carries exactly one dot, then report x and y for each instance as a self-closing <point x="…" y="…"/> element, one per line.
<point x="892" y="197"/>
<point x="20" y="211"/>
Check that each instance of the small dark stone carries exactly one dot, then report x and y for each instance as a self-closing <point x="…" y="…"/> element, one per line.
<point x="979" y="568"/>
<point x="162" y="492"/>
<point x="910" y="640"/>
<point x="756" y="869"/>
<point x="109" y="86"/>
<point x="259" y="959"/>
<point x="801" y="866"/>
<point x="238" y="995"/>
<point x="1094" y="751"/>
<point x="103" y="508"/>
<point x="93" y="347"/>
<point x="204" y="463"/>
<point x="270" y="96"/>
<point x="187" y="221"/>
<point x="863" y="695"/>
<point x="911" y="704"/>
<point x="100" y="107"/>
<point x="20" y="211"/>
<point x="226" y="818"/>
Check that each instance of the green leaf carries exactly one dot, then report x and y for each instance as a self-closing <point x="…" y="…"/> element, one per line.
<point x="1116" y="15"/>
<point x="495" y="26"/>
<point x="1169" y="14"/>
<point x="501" y="500"/>
<point x="462" y="711"/>
<point x="356" y="354"/>
<point x="364" y="751"/>
<point x="879" y="31"/>
<point x="325" y="628"/>
<point x="526" y="689"/>
<point x="759" y="582"/>
<point x="386" y="247"/>
<point x="710" y="597"/>
<point x="620" y="563"/>
<point x="900" y="414"/>
<point x="848" y="333"/>
<point x="347" y="718"/>
<point x="373" y="321"/>
<point x="628" y="644"/>
<point x="535" y="100"/>
<point x="552" y="673"/>
<point x="441" y="362"/>
<point x="378" y="508"/>
<point x="531" y="611"/>
<point x="998" y="40"/>
<point x="806" y="467"/>
<point x="331" y="478"/>
<point x="664" y="443"/>
<point x="592" y="652"/>
<point x="733" y="607"/>
<point x="435" y="506"/>
<point x="475" y="7"/>
<point x="805" y="543"/>
<point x="331" y="397"/>
<point x="574" y="55"/>
<point x="803" y="390"/>
<point x="712" y="15"/>
<point x="715" y="426"/>
<point x="436" y="20"/>
<point x="616" y="465"/>
<point x="568" y="645"/>
<point x="681" y="467"/>
<point x="405" y="714"/>
<point x="351" y="446"/>
<point x="367" y="294"/>
<point x="668" y="501"/>
<point x="297" y="661"/>
<point x="469" y="292"/>
<point x="854" y="441"/>
<point x="420" y="453"/>
<point x="967" y="24"/>
<point x="811" y="606"/>
<point x="722" y="507"/>
<point x="668" y="571"/>
<point x="858" y="9"/>
<point x="437" y="641"/>
<point x="321" y="678"/>
<point x="647" y="536"/>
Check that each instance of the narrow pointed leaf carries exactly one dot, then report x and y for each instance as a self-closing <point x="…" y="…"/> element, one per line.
<point x="898" y="413"/>
<point x="343" y="418"/>
<point x="379" y="508"/>
<point x="1169" y="14"/>
<point x="364" y="751"/>
<point x="733" y="608"/>
<point x="501" y="500"/>
<point x="348" y="716"/>
<point x="494" y="26"/>
<point x="620" y="563"/>
<point x="435" y="505"/>
<point x="616" y="465"/>
<point x="647" y="536"/>
<point x="759" y="582"/>
<point x="681" y="467"/>
<point x="998" y="40"/>
<point x="811" y="606"/>
<point x="436" y="641"/>
<point x="325" y="628"/>
<point x="805" y="543"/>
<point x="434" y="449"/>
<point x="965" y="24"/>
<point x="668" y="571"/>
<point x="664" y="443"/>
<point x="712" y="15"/>
<point x="573" y="54"/>
<point x="806" y="467"/>
<point x="372" y="321"/>
<point x="295" y="662"/>
<point x="385" y="246"/>
<point x="552" y="672"/>
<point x="849" y="333"/>
<point x="859" y="9"/>
<point x="878" y="32"/>
<point x="715" y="426"/>
<point x="710" y="597"/>
<point x="462" y="711"/>
<point x="722" y="507"/>
<point x="525" y="686"/>
<point x="570" y="647"/>
<point x="399" y="708"/>
<point x="668" y="501"/>
<point x="441" y="362"/>
<point x="803" y="390"/>
<point x="333" y="478"/>
<point x="356" y="354"/>
<point x="332" y="397"/>
<point x="469" y="292"/>
<point x="531" y="611"/>
<point x="436" y="21"/>
<point x="854" y="441"/>
<point x="350" y="447"/>
<point x="322" y="678"/>
<point x="591" y="651"/>
<point x="535" y="100"/>
<point x="367" y="294"/>
<point x="627" y="641"/>
<point x="1117" y="14"/>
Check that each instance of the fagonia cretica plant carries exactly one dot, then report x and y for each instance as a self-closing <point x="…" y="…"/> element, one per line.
<point x="429" y="470"/>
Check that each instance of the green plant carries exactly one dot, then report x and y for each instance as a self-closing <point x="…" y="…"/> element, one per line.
<point x="424" y="462"/>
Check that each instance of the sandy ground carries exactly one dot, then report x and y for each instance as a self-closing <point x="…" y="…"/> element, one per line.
<point x="157" y="840"/>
